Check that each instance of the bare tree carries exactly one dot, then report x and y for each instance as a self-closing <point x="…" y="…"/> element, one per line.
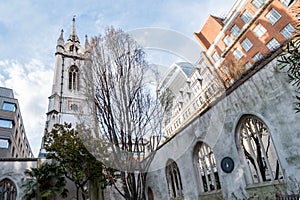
<point x="126" y="108"/>
<point x="235" y="69"/>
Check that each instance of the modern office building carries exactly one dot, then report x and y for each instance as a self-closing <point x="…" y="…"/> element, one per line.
<point x="188" y="89"/>
<point x="13" y="140"/>
<point x="251" y="31"/>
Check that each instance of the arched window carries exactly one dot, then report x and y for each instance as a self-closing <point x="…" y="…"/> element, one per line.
<point x="150" y="194"/>
<point x="8" y="190"/>
<point x="74" y="78"/>
<point x="257" y="151"/>
<point x="173" y="180"/>
<point x="206" y="168"/>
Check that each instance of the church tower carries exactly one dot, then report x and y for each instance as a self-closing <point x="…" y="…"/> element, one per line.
<point x="67" y="101"/>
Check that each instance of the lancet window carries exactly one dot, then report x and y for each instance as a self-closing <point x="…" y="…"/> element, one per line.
<point x="8" y="190"/>
<point x="73" y="78"/>
<point x="206" y="168"/>
<point x="257" y="151"/>
<point x="174" y="180"/>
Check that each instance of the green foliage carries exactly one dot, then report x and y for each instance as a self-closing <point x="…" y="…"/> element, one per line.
<point x="290" y="61"/>
<point x="65" y="147"/>
<point x="45" y="181"/>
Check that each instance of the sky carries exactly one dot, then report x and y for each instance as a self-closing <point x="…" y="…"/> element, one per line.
<point x="29" y="30"/>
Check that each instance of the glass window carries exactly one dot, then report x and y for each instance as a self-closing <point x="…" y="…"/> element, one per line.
<point x="9" y="106"/>
<point x="248" y="65"/>
<point x="246" y="44"/>
<point x="4" y="143"/>
<point x="174" y="180"/>
<point x="6" y="123"/>
<point x="287" y="31"/>
<point x="258" y="154"/>
<point x="235" y="30"/>
<point x="273" y="44"/>
<point x="8" y="190"/>
<point x="206" y="167"/>
<point x="259" y="30"/>
<point x="285" y="2"/>
<point x="258" y="3"/>
<point x="13" y="152"/>
<point x="237" y="54"/>
<point x="257" y="57"/>
<point x="73" y="78"/>
<point x="273" y="16"/>
<point x="216" y="57"/>
<point x="227" y="40"/>
<point x="246" y="16"/>
<point x="223" y="69"/>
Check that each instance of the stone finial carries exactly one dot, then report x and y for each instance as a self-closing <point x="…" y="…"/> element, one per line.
<point x="60" y="40"/>
<point x="73" y="36"/>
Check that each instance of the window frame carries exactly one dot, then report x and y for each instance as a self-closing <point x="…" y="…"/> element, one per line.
<point x="173" y="180"/>
<point x="235" y="30"/>
<point x="9" y="106"/>
<point x="215" y="57"/>
<point x="259" y="30"/>
<point x="246" y="16"/>
<point x="248" y="65"/>
<point x="287" y="31"/>
<point x="9" y="189"/>
<point x="206" y="168"/>
<point x="246" y="44"/>
<point x="286" y="3"/>
<point x="238" y="54"/>
<point x="273" y="44"/>
<point x="6" y="145"/>
<point x="4" y="123"/>
<point x="258" y="3"/>
<point x="273" y="16"/>
<point x="252" y="133"/>
<point x="73" y="78"/>
<point x="257" y="57"/>
<point x="227" y="40"/>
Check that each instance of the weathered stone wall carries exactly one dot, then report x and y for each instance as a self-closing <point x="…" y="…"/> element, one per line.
<point x="265" y="94"/>
<point x="13" y="169"/>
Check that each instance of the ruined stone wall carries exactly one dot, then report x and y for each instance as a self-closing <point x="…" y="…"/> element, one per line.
<point x="265" y="94"/>
<point x="13" y="169"/>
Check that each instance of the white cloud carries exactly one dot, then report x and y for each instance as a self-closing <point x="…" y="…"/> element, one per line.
<point x="31" y="83"/>
<point x="29" y="30"/>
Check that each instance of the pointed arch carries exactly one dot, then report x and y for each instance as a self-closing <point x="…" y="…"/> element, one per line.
<point x="8" y="190"/>
<point x="173" y="180"/>
<point x="257" y="151"/>
<point x="150" y="194"/>
<point x="206" y="168"/>
<point x="73" y="83"/>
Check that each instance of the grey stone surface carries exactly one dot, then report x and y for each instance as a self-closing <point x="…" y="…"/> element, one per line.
<point x="267" y="95"/>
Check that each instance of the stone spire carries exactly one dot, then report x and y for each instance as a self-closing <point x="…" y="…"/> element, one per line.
<point x="60" y="40"/>
<point x="73" y="36"/>
<point x="87" y="44"/>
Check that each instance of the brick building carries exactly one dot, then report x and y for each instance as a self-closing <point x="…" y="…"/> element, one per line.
<point x="251" y="30"/>
<point x="13" y="139"/>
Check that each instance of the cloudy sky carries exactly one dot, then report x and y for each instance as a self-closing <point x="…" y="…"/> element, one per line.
<point x="29" y="30"/>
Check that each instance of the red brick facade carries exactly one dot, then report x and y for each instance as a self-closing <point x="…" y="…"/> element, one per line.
<point x="212" y="36"/>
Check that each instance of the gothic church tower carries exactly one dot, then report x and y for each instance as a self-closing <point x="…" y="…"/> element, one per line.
<point x="67" y="100"/>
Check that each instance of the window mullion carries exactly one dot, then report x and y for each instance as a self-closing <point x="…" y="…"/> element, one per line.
<point x="253" y="154"/>
<point x="205" y="169"/>
<point x="263" y="150"/>
<point x="212" y="175"/>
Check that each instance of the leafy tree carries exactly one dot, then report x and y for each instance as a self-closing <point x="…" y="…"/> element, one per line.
<point x="127" y="110"/>
<point x="65" y="147"/>
<point x="46" y="182"/>
<point x="290" y="60"/>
